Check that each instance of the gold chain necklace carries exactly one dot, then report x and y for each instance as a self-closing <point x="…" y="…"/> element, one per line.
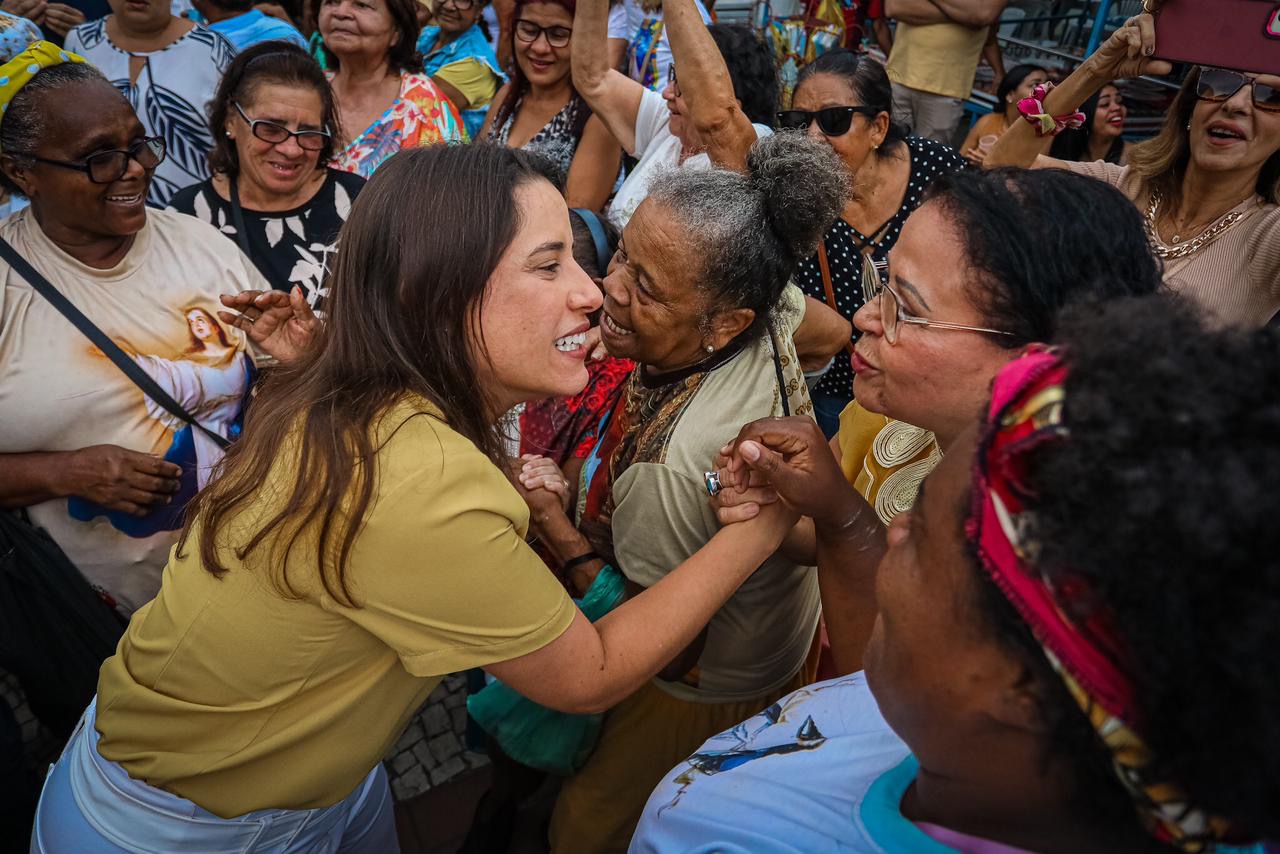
<point x="1195" y="244"/>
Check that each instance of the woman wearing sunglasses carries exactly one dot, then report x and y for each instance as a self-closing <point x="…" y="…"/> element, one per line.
<point x="964" y="297"/>
<point x="1208" y="183"/>
<point x="540" y="111"/>
<point x="273" y="120"/>
<point x="846" y="101"/>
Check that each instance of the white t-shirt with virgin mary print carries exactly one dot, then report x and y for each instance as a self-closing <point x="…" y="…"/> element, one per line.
<point x="58" y="392"/>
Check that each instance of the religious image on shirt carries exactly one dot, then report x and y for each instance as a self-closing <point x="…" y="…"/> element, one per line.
<point x="740" y="743"/>
<point x="210" y="378"/>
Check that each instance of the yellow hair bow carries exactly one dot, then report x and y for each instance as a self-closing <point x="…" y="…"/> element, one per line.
<point x="18" y="71"/>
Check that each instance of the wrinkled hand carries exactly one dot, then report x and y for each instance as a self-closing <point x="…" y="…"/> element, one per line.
<point x="120" y="479"/>
<point x="281" y="325"/>
<point x="1128" y="52"/>
<point x="791" y="457"/>
<point x="32" y="10"/>
<point x="60" y="18"/>
<point x="541" y="473"/>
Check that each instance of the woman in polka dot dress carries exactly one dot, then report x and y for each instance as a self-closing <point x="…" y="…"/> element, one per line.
<point x="845" y="100"/>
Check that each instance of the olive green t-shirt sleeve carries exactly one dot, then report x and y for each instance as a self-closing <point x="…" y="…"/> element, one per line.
<point x="441" y="570"/>
<point x="662" y="517"/>
<point x="472" y="78"/>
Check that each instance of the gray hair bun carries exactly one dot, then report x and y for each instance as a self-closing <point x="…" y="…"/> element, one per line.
<point x="802" y="185"/>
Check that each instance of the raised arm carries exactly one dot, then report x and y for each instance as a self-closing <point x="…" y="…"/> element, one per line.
<point x="707" y="87"/>
<point x="1125" y="54"/>
<point x="915" y="12"/>
<point x="612" y="96"/>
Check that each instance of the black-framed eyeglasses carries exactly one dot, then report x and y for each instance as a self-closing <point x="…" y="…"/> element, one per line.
<point x="528" y="32"/>
<point x="1219" y="84"/>
<point x="832" y="121"/>
<point x="460" y="5"/>
<point x="308" y="140"/>
<point x="107" y="166"/>
<point x="672" y="81"/>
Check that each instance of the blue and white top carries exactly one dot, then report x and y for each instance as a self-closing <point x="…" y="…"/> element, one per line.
<point x="470" y="46"/>
<point x="170" y="95"/>
<point x="253" y="27"/>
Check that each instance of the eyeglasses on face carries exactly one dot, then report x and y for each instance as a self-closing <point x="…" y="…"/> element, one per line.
<point x="460" y="5"/>
<point x="832" y="121"/>
<point x="1219" y="84"/>
<point x="528" y="32"/>
<point x="892" y="314"/>
<point x="107" y="166"/>
<point x="308" y="140"/>
<point x="672" y="81"/>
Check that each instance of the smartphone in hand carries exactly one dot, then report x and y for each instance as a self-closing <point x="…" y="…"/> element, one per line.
<point x="1239" y="34"/>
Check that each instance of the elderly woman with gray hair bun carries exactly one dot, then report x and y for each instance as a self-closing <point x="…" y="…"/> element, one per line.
<point x="698" y="296"/>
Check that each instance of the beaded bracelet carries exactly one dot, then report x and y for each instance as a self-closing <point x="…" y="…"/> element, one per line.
<point x="1032" y="109"/>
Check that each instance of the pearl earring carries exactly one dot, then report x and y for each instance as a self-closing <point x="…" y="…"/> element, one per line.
<point x="710" y="349"/>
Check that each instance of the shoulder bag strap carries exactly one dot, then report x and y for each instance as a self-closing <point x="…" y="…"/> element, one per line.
<point x="112" y="351"/>
<point x="777" y="368"/>
<point x="237" y="217"/>
<point x="826" y="285"/>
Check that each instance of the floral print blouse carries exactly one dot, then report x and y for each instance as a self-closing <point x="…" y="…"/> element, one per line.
<point x="421" y="115"/>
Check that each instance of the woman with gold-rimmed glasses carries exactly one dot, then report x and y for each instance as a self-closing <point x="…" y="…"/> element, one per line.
<point x="1208" y="183"/>
<point x="981" y="269"/>
<point x="273" y="193"/>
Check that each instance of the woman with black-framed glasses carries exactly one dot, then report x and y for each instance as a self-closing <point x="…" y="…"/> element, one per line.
<point x="540" y="110"/>
<point x="1208" y="183"/>
<point x="273" y="121"/>
<point x="846" y="101"/>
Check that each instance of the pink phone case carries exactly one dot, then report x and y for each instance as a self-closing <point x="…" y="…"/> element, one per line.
<point x="1239" y="34"/>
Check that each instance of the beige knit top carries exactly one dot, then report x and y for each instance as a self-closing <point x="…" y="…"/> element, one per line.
<point x="1236" y="278"/>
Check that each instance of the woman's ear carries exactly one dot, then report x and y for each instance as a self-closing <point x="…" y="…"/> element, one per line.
<point x="17" y="173"/>
<point x="880" y="129"/>
<point x="1020" y="703"/>
<point x="728" y="325"/>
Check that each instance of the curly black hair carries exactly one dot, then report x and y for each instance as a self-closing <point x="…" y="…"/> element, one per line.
<point x="1041" y="239"/>
<point x="1164" y="498"/>
<point x="751" y="68"/>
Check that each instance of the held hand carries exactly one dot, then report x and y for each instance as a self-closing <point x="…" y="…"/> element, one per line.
<point x="281" y="325"/>
<point x="60" y="18"/>
<point x="542" y="473"/>
<point x="1128" y="52"/>
<point x="772" y="521"/>
<point x="791" y="456"/>
<point x="739" y="505"/>
<point x="120" y="479"/>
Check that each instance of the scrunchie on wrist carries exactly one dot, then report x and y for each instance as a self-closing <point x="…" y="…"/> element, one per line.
<point x="1032" y="109"/>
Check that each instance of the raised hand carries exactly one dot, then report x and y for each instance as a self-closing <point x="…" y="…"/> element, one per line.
<point x="541" y="473"/>
<point x="1129" y="50"/>
<point x="60" y="18"/>
<point x="281" y="325"/>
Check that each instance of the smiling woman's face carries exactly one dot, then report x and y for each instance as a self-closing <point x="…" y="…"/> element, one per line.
<point x="1231" y="135"/>
<point x="531" y="340"/>
<point x="540" y="62"/>
<point x="80" y="120"/>
<point x="279" y="168"/>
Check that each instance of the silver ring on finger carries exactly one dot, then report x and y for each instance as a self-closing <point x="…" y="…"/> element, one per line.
<point x="712" y="480"/>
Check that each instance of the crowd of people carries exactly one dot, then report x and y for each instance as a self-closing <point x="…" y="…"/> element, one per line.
<point x="796" y="467"/>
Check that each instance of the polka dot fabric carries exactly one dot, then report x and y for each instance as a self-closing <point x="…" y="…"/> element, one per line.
<point x="930" y="160"/>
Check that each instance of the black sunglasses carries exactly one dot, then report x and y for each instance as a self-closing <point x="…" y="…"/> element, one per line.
<point x="832" y="121"/>
<point x="107" y="166"/>
<point x="1219" y="84"/>
<point x="308" y="140"/>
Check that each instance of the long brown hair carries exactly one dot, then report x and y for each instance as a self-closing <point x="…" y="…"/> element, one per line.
<point x="423" y="238"/>
<point x="1161" y="162"/>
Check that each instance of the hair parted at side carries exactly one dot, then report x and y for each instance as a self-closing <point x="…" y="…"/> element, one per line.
<point x="1161" y="162"/>
<point x="1182" y="553"/>
<point x="401" y="313"/>
<point x="1012" y="80"/>
<point x="753" y="229"/>
<point x="22" y="126"/>
<point x="1041" y="239"/>
<point x="271" y="62"/>
<point x="1073" y="143"/>
<point x="869" y="83"/>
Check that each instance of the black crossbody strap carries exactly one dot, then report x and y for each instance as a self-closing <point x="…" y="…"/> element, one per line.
<point x="112" y="351"/>
<point x="237" y="216"/>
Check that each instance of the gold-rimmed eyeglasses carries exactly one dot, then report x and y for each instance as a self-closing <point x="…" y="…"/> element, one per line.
<point x="892" y="313"/>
